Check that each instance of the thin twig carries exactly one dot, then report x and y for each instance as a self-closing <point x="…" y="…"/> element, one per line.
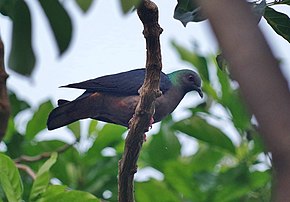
<point x="148" y="14"/>
<point x="27" y="169"/>
<point x="25" y="158"/>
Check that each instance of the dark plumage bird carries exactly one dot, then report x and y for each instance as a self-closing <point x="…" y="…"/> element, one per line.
<point x="113" y="98"/>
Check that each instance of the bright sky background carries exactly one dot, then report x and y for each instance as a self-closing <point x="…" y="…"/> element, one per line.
<point x="105" y="42"/>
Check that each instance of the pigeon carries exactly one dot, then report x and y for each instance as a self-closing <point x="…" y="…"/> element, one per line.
<point x="113" y="98"/>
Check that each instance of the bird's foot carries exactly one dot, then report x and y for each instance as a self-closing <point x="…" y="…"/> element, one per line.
<point x="151" y="122"/>
<point x="144" y="137"/>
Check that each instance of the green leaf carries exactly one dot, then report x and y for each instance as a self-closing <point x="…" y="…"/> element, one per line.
<point x="196" y="60"/>
<point x="10" y="179"/>
<point x="280" y="22"/>
<point x="259" y="179"/>
<point x="109" y="136"/>
<point x="21" y="58"/>
<point x="282" y="2"/>
<point x="38" y="121"/>
<point x="61" y="193"/>
<point x="84" y="4"/>
<point x="163" y="147"/>
<point x="187" y="11"/>
<point x="93" y="130"/>
<point x="75" y="128"/>
<point x="42" y="178"/>
<point x="129" y="5"/>
<point x="201" y="130"/>
<point x="232" y="100"/>
<point x="6" y="7"/>
<point x="154" y="190"/>
<point x="59" y="21"/>
<point x="17" y="104"/>
<point x="180" y="177"/>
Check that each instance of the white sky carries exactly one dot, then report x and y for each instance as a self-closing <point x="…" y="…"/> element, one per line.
<point x="104" y="42"/>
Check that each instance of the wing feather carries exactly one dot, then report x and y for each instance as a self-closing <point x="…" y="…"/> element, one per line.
<point x="123" y="84"/>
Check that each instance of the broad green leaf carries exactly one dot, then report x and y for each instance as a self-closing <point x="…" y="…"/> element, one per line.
<point x="10" y="131"/>
<point x="17" y="104"/>
<point x="259" y="179"/>
<point x="6" y="7"/>
<point x="59" y="21"/>
<point x="187" y="11"/>
<point x="21" y="58"/>
<point x="10" y="179"/>
<point x="162" y="147"/>
<point x="201" y="130"/>
<point x="129" y="5"/>
<point x="109" y="136"/>
<point x="61" y="193"/>
<point x="231" y="99"/>
<point x="280" y="22"/>
<point x="180" y="177"/>
<point x="84" y="4"/>
<point x="38" y="121"/>
<point x="154" y="190"/>
<point x="196" y="60"/>
<point x="34" y="148"/>
<point x="75" y="128"/>
<point x="42" y="178"/>
<point x="93" y="130"/>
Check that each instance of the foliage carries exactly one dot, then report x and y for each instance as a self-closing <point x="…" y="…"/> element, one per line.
<point x="22" y="57"/>
<point x="187" y="11"/>
<point x="219" y="170"/>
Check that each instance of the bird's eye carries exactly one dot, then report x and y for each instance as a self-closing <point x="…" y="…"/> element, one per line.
<point x="190" y="78"/>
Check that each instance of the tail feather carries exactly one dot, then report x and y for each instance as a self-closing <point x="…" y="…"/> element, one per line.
<point x="68" y="112"/>
<point x="61" y="116"/>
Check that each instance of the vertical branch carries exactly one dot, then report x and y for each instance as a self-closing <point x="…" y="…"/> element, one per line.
<point x="263" y="86"/>
<point x="4" y="100"/>
<point x="148" y="14"/>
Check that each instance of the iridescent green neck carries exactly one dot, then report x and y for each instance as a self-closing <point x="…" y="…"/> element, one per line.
<point x="174" y="77"/>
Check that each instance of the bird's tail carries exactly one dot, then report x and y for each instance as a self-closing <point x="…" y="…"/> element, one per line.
<point x="68" y="112"/>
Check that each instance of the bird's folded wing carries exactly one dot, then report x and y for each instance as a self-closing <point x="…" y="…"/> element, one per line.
<point x="123" y="84"/>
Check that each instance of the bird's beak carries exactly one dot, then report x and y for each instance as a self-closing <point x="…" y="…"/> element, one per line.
<point x="200" y="92"/>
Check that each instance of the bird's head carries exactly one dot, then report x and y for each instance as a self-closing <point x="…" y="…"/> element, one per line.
<point x="187" y="80"/>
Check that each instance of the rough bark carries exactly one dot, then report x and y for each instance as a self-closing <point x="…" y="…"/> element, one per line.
<point x="148" y="14"/>
<point x="4" y="100"/>
<point x="263" y="86"/>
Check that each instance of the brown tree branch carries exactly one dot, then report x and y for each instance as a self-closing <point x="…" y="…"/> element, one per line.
<point x="25" y="158"/>
<point x="4" y="100"/>
<point x="262" y="84"/>
<point x="27" y="169"/>
<point x="148" y="14"/>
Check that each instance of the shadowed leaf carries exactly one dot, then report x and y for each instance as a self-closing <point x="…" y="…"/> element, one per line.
<point x="280" y="22"/>
<point x="187" y="11"/>
<point x="21" y="58"/>
<point x="59" y="21"/>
